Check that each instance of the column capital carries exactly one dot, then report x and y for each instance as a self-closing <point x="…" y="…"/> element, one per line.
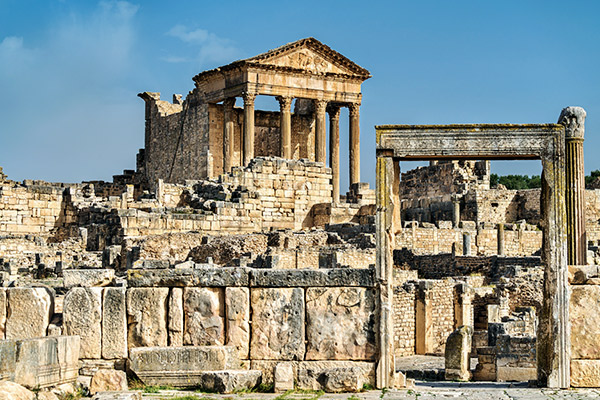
<point x="573" y="118"/>
<point x="320" y="106"/>
<point x="249" y="98"/>
<point x="285" y="102"/>
<point x="354" y="109"/>
<point x="229" y="102"/>
<point x="334" y="112"/>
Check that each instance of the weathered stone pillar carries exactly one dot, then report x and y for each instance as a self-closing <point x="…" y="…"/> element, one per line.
<point x="500" y="239"/>
<point x="334" y="150"/>
<point x="354" y="143"/>
<point x="320" y="131"/>
<point x="285" y="115"/>
<point x="248" y="127"/>
<point x="455" y="211"/>
<point x="228" y="134"/>
<point x="424" y="338"/>
<point x="466" y="244"/>
<point x="573" y="118"/>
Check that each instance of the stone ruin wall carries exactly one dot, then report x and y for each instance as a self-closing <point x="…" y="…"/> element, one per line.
<point x="198" y="142"/>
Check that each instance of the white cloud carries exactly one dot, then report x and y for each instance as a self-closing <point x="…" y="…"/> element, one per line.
<point x="210" y="47"/>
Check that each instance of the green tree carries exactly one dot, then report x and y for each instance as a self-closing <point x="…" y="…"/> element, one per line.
<point x="591" y="177"/>
<point x="516" y="182"/>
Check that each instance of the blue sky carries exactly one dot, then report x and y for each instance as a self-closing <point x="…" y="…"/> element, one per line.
<point x="70" y="70"/>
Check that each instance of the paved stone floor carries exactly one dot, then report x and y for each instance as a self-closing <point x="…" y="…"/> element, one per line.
<point x="421" y="391"/>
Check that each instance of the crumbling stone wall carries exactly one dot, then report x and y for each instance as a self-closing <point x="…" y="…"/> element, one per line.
<point x="404" y="319"/>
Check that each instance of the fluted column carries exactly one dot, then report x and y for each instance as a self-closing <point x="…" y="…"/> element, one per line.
<point x="248" y="153"/>
<point x="573" y="118"/>
<point x="228" y="134"/>
<point x="354" y="143"/>
<point x="334" y="151"/>
<point x="320" y="131"/>
<point x="285" y="115"/>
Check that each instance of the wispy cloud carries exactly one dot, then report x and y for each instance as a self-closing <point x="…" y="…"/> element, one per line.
<point x="209" y="47"/>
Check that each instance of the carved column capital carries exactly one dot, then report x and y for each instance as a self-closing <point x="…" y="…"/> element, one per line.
<point x="573" y="118"/>
<point x="285" y="102"/>
<point x="354" y="109"/>
<point x="334" y="112"/>
<point x="320" y="106"/>
<point x="249" y="98"/>
<point x="229" y="102"/>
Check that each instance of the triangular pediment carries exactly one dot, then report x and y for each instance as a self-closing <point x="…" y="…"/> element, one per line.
<point x="311" y="56"/>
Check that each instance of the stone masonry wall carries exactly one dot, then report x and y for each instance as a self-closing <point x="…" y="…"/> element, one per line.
<point x="404" y="319"/>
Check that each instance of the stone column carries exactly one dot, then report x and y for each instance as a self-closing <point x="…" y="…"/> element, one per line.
<point x="228" y="133"/>
<point x="334" y="151"/>
<point x="573" y="118"/>
<point x="455" y="211"/>
<point x="500" y="239"/>
<point x="285" y="115"/>
<point x="248" y="139"/>
<point x="320" y="131"/>
<point x="354" y="143"/>
<point x="466" y="244"/>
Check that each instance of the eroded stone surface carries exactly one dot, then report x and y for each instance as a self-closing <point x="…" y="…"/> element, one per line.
<point x="146" y="317"/>
<point x="28" y="313"/>
<point x="585" y="373"/>
<point x="283" y="377"/>
<point x="457" y="354"/>
<point x="14" y="391"/>
<point x="176" y="317"/>
<point x="278" y="324"/>
<point x="229" y="381"/>
<point x="82" y="316"/>
<point x="237" y="314"/>
<point x="204" y="317"/>
<point x="106" y="380"/>
<point x="114" y="323"/>
<point x="2" y="312"/>
<point x="585" y="325"/>
<point x="340" y="324"/>
<point x="88" y="277"/>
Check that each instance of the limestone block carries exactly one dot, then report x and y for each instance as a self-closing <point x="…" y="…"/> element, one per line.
<point x="180" y="366"/>
<point x="210" y="277"/>
<point x="88" y="277"/>
<point x="82" y="315"/>
<point x="585" y="322"/>
<point x="203" y="310"/>
<point x="228" y="381"/>
<point x="341" y="379"/>
<point x="277" y="323"/>
<point x="515" y="374"/>
<point x="2" y="312"/>
<point x="340" y="324"/>
<point x="28" y="312"/>
<point x="457" y="354"/>
<point x="312" y="277"/>
<point x="46" y="395"/>
<point x="147" y="317"/>
<point x="108" y="380"/>
<point x="114" y="323"/>
<point x="237" y="311"/>
<point x="283" y="377"/>
<point x="14" y="391"/>
<point x="585" y="373"/>
<point x="175" y="324"/>
<point x="118" y="396"/>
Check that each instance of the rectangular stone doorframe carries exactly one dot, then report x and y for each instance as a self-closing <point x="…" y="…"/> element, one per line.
<point x="545" y="142"/>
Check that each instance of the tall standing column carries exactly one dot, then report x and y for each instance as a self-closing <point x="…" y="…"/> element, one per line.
<point x="573" y="118"/>
<point x="228" y="134"/>
<point x="285" y="115"/>
<point x="334" y="151"/>
<point x="354" y="143"/>
<point x="248" y="127"/>
<point x="320" y="131"/>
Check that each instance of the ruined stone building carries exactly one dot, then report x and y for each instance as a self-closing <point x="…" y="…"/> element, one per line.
<point x="232" y="243"/>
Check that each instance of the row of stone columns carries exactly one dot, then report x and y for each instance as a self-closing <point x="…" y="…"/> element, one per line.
<point x="321" y="109"/>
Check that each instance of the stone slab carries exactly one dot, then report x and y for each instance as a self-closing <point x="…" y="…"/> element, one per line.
<point x="585" y="322"/>
<point x="82" y="316"/>
<point x="118" y="396"/>
<point x="277" y="324"/>
<point x="29" y="312"/>
<point x="323" y="277"/>
<point x="114" y="323"/>
<point x="147" y="317"/>
<point x="88" y="277"/>
<point x="205" y="277"/>
<point x="457" y="358"/>
<point x="228" y="381"/>
<point x="237" y="319"/>
<point x="283" y="377"/>
<point x="340" y="324"/>
<point x="180" y="366"/>
<point x="106" y="380"/>
<point x="515" y="374"/>
<point x="204" y="322"/>
<point x="175" y="323"/>
<point x="585" y="373"/>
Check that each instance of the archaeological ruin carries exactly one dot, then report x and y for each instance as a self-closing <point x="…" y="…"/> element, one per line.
<point x="231" y="259"/>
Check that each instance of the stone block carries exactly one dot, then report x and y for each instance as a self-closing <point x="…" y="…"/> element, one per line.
<point x="82" y="316"/>
<point x="114" y="323"/>
<point x="457" y="354"/>
<point x="277" y="324"/>
<point x="88" y="277"/>
<point x="205" y="277"/>
<point x="203" y="310"/>
<point x="323" y="277"/>
<point x="585" y="322"/>
<point x="237" y="319"/>
<point x="118" y="396"/>
<point x="585" y="373"/>
<point x="147" y="317"/>
<point x="175" y="323"/>
<point x="283" y="377"/>
<point x="515" y="374"/>
<point x="14" y="391"/>
<point x="180" y="366"/>
<point x="340" y="379"/>
<point x="107" y="380"/>
<point x="340" y="324"/>
<point x="29" y="312"/>
<point x="228" y="381"/>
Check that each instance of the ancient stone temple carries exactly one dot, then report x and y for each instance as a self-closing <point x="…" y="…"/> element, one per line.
<point x="206" y="134"/>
